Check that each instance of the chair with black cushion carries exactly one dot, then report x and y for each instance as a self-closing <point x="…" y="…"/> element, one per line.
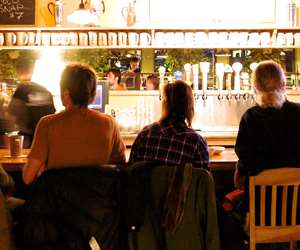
<point x="274" y="207"/>
<point x="69" y="206"/>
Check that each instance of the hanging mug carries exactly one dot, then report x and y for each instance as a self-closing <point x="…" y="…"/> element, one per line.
<point x="128" y="14"/>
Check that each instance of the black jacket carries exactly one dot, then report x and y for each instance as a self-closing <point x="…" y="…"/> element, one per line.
<point x="69" y="206"/>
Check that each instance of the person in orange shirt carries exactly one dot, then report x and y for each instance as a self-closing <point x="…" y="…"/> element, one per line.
<point x="75" y="136"/>
<point x="114" y="79"/>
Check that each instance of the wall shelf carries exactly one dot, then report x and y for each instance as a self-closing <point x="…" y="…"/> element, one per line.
<point x="168" y="38"/>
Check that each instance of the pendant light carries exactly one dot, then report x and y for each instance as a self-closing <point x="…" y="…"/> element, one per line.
<point x="82" y="16"/>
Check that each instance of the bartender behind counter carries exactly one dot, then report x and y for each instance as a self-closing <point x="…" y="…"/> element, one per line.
<point x="30" y="102"/>
<point x="132" y="77"/>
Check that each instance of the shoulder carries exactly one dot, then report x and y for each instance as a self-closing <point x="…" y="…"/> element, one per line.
<point x="194" y="135"/>
<point x="153" y="127"/>
<point x="294" y="106"/>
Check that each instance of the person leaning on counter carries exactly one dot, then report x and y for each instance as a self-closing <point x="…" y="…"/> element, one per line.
<point x="30" y="102"/>
<point x="268" y="134"/>
<point x="171" y="140"/>
<point x="76" y="136"/>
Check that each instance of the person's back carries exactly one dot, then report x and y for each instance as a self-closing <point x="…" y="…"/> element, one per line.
<point x="29" y="103"/>
<point x="76" y="136"/>
<point x="267" y="136"/>
<point x="171" y="140"/>
<point x="271" y="136"/>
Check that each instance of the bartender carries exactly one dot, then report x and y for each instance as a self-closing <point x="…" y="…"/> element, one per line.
<point x="132" y="77"/>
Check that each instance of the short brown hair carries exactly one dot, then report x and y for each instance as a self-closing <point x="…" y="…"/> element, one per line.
<point x="80" y="81"/>
<point x="269" y="84"/>
<point x="116" y="72"/>
<point x="178" y="103"/>
<point x="154" y="80"/>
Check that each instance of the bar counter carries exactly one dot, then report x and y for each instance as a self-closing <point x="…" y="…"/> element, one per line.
<point x="223" y="161"/>
<point x="213" y="138"/>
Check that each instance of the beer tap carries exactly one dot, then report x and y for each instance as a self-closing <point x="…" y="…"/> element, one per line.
<point x="161" y="71"/>
<point x="220" y="76"/>
<point x="188" y="69"/>
<point x="245" y="81"/>
<point x="252" y="67"/>
<point x="228" y="70"/>
<point x="195" y="68"/>
<point x="204" y="68"/>
<point x="237" y="67"/>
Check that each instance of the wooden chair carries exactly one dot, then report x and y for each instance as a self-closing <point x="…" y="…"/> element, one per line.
<point x="288" y="181"/>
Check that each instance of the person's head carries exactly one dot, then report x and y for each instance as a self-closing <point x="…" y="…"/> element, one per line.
<point x="152" y="82"/>
<point x="78" y="85"/>
<point x="178" y="103"/>
<point x="269" y="84"/>
<point x="134" y="63"/>
<point x="114" y="76"/>
<point x="24" y="69"/>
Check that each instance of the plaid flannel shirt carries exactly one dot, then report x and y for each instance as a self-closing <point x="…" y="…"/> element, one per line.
<point x="170" y="145"/>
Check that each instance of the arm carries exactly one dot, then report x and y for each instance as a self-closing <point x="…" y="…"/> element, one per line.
<point x="118" y="149"/>
<point x="6" y="182"/>
<point x="38" y="155"/>
<point x="201" y="155"/>
<point x="32" y="170"/>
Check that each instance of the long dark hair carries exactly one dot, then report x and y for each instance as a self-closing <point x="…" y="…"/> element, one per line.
<point x="178" y="104"/>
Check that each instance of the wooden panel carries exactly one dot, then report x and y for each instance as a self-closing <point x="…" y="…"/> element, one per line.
<point x="294" y="208"/>
<point x="262" y="205"/>
<point x="277" y="234"/>
<point x="274" y="176"/>
<point x="284" y="204"/>
<point x="273" y="206"/>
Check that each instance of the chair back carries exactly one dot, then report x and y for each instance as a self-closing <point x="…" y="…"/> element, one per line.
<point x="195" y="228"/>
<point x="274" y="206"/>
<point x="6" y="241"/>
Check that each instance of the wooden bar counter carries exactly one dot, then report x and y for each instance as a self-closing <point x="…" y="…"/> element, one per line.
<point x="223" y="161"/>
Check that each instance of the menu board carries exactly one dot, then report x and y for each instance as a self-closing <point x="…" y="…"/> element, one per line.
<point x="17" y="12"/>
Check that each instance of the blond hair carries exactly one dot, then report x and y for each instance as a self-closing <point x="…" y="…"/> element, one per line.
<point x="269" y="84"/>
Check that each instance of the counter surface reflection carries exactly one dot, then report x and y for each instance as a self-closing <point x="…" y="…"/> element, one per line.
<point x="223" y="161"/>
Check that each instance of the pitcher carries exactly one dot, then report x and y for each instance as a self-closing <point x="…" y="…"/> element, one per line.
<point x="57" y="11"/>
<point x="129" y="14"/>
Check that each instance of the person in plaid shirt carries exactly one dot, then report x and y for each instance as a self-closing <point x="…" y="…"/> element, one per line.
<point x="171" y="140"/>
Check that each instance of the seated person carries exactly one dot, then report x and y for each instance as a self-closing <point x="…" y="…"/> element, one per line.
<point x="77" y="136"/>
<point x="268" y="134"/>
<point x="171" y="140"/>
<point x="114" y="79"/>
<point x="152" y="82"/>
<point x="132" y="77"/>
<point x="29" y="103"/>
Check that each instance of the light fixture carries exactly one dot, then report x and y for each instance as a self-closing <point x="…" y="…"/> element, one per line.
<point x="82" y="16"/>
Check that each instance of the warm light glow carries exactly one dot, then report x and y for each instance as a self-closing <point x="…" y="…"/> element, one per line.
<point x="47" y="70"/>
<point x="82" y="17"/>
